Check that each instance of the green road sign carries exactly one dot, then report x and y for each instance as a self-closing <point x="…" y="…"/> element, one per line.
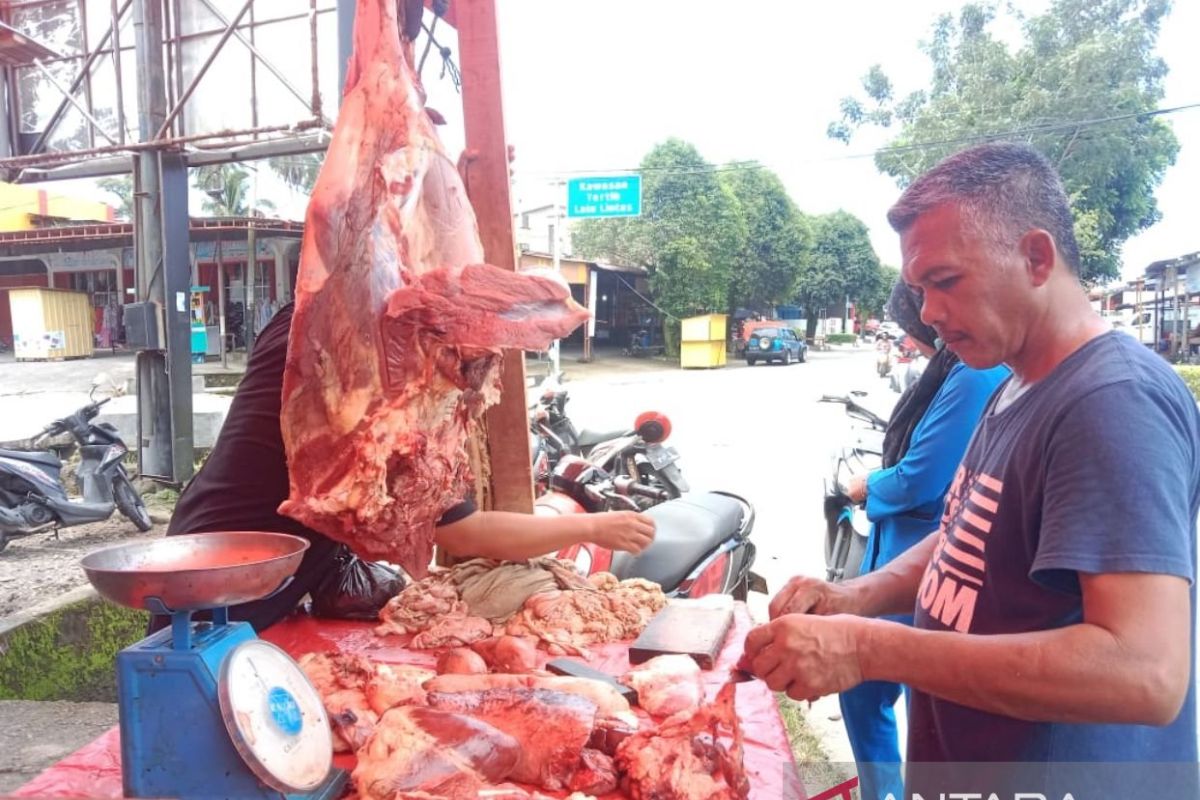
<point x="610" y="196"/>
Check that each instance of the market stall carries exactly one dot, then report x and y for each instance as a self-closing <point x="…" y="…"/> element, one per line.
<point x="95" y="770"/>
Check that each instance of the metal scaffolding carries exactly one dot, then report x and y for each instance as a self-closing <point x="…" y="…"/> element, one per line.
<point x="231" y="81"/>
<point x="99" y="87"/>
<point x="220" y="81"/>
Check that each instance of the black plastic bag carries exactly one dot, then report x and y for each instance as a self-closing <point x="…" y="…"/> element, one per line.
<point x="355" y="589"/>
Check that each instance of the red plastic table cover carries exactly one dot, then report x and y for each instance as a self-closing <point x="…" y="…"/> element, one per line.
<point x="94" y="771"/>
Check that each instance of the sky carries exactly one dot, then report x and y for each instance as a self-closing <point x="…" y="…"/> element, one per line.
<point x="589" y="87"/>
<point x="592" y="86"/>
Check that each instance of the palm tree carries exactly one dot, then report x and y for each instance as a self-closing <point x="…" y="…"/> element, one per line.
<point x="228" y="190"/>
<point x="298" y="171"/>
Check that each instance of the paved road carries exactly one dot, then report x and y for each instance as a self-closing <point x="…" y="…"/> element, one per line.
<point x="759" y="432"/>
<point x="756" y="431"/>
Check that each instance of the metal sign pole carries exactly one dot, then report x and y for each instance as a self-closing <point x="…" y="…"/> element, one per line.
<point x="164" y="372"/>
<point x="556" y="346"/>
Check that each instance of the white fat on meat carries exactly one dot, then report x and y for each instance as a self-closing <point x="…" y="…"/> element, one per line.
<point x="667" y="685"/>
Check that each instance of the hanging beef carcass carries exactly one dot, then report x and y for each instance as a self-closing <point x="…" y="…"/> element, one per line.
<point x="397" y="334"/>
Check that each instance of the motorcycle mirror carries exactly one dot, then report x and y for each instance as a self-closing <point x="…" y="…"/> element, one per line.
<point x="858" y="393"/>
<point x="653" y="427"/>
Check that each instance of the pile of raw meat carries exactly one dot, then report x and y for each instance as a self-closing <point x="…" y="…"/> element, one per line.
<point x="544" y="601"/>
<point x="417" y="734"/>
<point x="396" y="339"/>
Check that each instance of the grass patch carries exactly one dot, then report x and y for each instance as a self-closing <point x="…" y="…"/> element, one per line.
<point x="164" y="498"/>
<point x="68" y="654"/>
<point x="841" y="338"/>
<point x="816" y="770"/>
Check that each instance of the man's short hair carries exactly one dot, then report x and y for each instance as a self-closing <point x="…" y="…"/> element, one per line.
<point x="1003" y="189"/>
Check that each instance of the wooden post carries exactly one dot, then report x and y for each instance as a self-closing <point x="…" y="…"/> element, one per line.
<point x="507" y="454"/>
<point x="589" y="302"/>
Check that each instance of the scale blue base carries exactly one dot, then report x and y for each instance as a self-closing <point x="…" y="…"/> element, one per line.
<point x="174" y="742"/>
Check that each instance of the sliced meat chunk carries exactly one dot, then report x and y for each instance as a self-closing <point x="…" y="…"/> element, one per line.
<point x="667" y="685"/>
<point x="396" y="685"/>
<point x="422" y="752"/>
<point x="686" y="759"/>
<point x="553" y="728"/>
<point x="610" y="704"/>
<point x="351" y="719"/>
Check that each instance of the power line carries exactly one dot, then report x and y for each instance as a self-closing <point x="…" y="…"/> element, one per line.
<point x="1052" y="127"/>
<point x="698" y="170"/>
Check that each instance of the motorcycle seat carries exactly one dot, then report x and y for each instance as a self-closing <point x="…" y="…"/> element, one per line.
<point x="686" y="529"/>
<point x="33" y="456"/>
<point x="592" y="438"/>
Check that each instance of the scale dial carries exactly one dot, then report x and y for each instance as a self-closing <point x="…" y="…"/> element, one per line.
<point x="275" y="717"/>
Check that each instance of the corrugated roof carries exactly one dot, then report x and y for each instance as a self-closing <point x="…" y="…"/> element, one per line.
<point x="17" y="49"/>
<point x="90" y="236"/>
<point x="600" y="265"/>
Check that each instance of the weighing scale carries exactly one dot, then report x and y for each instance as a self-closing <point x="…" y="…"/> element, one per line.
<point x="207" y="709"/>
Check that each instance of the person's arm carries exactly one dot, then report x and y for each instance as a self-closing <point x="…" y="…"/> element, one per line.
<point x="1128" y="662"/>
<point x="891" y="589"/>
<point x="937" y="447"/>
<point x="514" y="537"/>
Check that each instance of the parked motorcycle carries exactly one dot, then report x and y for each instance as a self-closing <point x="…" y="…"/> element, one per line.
<point x="909" y="374"/>
<point x="846" y="524"/>
<point x="33" y="498"/>
<point x="638" y="454"/>
<point x="883" y="356"/>
<point x="701" y="542"/>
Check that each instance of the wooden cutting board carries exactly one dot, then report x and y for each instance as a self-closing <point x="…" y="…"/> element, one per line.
<point x="687" y="630"/>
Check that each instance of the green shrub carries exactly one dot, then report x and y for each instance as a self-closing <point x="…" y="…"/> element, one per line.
<point x="1191" y="376"/>
<point x="841" y="338"/>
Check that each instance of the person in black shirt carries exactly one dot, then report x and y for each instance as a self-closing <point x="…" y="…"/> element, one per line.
<point x="245" y="478"/>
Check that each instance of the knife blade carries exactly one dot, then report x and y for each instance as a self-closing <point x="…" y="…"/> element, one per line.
<point x="577" y="669"/>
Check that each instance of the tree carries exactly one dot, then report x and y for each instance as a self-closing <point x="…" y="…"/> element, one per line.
<point x="778" y="243"/>
<point x="228" y="190"/>
<point x="690" y="235"/>
<point x="1082" y="88"/>
<point x="843" y="267"/>
<point x="121" y="187"/>
<point x="300" y="171"/>
<point x="872" y="303"/>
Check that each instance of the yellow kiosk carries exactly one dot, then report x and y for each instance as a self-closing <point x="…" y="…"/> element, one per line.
<point x="703" y="341"/>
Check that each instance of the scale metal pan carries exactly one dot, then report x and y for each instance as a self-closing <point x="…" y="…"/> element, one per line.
<point x="195" y="571"/>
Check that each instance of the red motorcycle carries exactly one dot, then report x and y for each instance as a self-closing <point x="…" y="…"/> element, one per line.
<point x="638" y="453"/>
<point x="701" y="543"/>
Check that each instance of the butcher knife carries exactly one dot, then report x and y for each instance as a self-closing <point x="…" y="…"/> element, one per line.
<point x="578" y="669"/>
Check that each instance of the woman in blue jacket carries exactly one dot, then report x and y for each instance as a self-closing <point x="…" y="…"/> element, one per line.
<point x="925" y="440"/>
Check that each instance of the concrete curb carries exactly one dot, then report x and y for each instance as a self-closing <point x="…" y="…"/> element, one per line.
<point x="45" y="608"/>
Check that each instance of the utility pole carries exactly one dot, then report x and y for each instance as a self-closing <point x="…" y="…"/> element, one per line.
<point x="555" y="347"/>
<point x="163" y="275"/>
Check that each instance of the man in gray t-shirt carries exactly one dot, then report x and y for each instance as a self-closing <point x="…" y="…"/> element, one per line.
<point x="1056" y="604"/>
<point x="1093" y="470"/>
